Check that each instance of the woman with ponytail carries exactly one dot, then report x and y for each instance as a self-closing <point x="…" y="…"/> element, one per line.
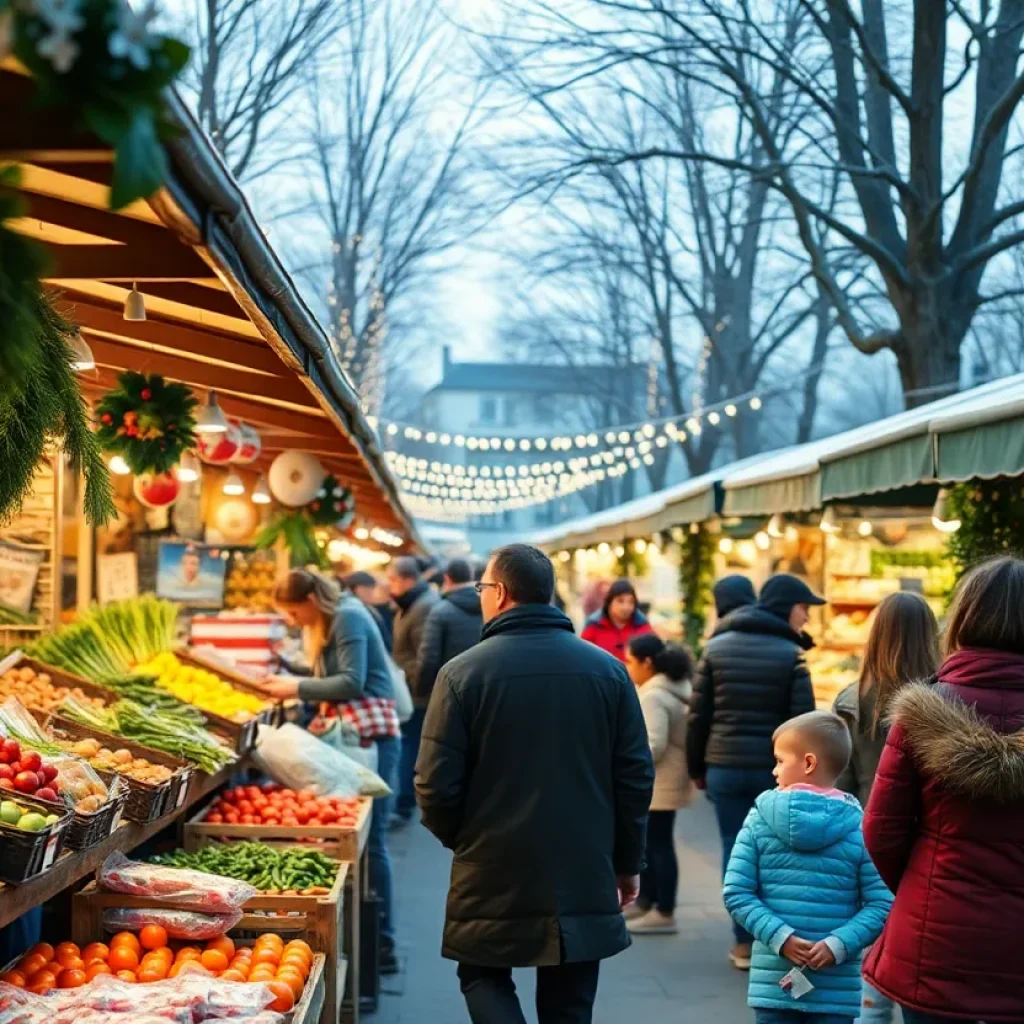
<point x="351" y="678"/>
<point x="662" y="673"/>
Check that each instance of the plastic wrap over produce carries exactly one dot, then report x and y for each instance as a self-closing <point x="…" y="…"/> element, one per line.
<point x="187" y="999"/>
<point x="182" y="886"/>
<point x="179" y="924"/>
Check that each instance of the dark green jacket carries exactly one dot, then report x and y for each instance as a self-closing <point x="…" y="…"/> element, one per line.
<point x="535" y="770"/>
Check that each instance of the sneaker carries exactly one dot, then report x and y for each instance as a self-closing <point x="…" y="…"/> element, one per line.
<point x="740" y="956"/>
<point x="635" y="910"/>
<point x="654" y="922"/>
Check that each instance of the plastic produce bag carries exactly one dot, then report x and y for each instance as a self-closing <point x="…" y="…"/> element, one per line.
<point x="181" y="886"/>
<point x="180" y="924"/>
<point x="294" y="758"/>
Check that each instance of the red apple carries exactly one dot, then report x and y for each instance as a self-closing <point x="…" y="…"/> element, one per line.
<point x="16" y="767"/>
<point x="12" y="752"/>
<point x="49" y="771"/>
<point x="42" y="779"/>
<point x="6" y="784"/>
<point x="46" y="793"/>
<point x="7" y="772"/>
<point x="31" y="761"/>
<point x="26" y="782"/>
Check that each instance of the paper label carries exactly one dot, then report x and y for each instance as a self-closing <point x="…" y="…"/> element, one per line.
<point x="115" y="821"/>
<point x="182" y="793"/>
<point x="51" y="850"/>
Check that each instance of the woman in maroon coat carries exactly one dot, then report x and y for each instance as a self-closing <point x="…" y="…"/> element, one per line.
<point x="618" y="622"/>
<point x="945" y="822"/>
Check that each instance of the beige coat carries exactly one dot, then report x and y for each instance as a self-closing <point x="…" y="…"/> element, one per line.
<point x="664" y="706"/>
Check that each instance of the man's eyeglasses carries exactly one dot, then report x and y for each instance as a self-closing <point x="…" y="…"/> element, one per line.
<point x="480" y="587"/>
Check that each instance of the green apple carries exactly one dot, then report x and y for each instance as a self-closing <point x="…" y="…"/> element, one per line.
<point x="32" y="822"/>
<point x="52" y="819"/>
<point x="10" y="812"/>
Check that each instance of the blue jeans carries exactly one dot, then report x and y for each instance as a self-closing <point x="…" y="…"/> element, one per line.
<point x="874" y="1007"/>
<point x="411" y="733"/>
<point x="762" y="1016"/>
<point x="733" y="792"/>
<point x="377" y="846"/>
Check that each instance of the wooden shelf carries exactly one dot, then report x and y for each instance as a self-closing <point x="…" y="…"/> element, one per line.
<point x="75" y="865"/>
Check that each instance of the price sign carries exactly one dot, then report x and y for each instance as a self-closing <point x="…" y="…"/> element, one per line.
<point x="117" y="577"/>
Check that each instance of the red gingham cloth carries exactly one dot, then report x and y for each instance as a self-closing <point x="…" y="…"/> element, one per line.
<point x="373" y="717"/>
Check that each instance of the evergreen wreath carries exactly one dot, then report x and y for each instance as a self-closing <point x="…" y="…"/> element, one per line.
<point x="40" y="398"/>
<point x="148" y="421"/>
<point x="333" y="505"/>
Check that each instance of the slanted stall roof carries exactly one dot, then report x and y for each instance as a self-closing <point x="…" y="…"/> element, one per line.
<point x="222" y="313"/>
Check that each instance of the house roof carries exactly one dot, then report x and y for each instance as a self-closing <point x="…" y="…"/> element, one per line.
<point x="537" y="378"/>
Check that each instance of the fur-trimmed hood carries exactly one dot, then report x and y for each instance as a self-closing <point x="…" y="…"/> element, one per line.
<point x="954" y="744"/>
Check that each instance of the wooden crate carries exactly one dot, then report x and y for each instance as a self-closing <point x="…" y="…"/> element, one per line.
<point x="59" y="677"/>
<point x="341" y="841"/>
<point x="318" y="920"/>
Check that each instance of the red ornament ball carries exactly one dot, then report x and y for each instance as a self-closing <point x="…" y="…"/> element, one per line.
<point x="132" y="431"/>
<point x="146" y="394"/>
<point x="107" y="418"/>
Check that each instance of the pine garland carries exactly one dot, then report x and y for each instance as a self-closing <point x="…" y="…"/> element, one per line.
<point x="334" y="505"/>
<point x="696" y="578"/>
<point x="296" y="530"/>
<point x="148" y="421"/>
<point x="40" y="401"/>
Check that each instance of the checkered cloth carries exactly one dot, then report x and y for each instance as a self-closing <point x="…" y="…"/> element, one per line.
<point x="374" y="718"/>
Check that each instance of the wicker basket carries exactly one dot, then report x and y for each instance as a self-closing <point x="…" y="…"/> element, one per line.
<point x="145" y="801"/>
<point x="23" y="855"/>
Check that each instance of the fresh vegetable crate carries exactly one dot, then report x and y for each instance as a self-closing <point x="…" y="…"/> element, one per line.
<point x="23" y="854"/>
<point x="315" y="919"/>
<point x="60" y="677"/>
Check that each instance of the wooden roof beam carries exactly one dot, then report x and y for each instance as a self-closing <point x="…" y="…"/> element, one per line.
<point x="92" y="220"/>
<point x="125" y="263"/>
<point x="33" y="134"/>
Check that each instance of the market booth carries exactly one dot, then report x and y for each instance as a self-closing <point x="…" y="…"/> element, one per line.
<point x="184" y="290"/>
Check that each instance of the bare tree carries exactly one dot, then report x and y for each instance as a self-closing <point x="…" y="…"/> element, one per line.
<point x="869" y="82"/>
<point x="390" y="180"/>
<point x="249" y="61"/>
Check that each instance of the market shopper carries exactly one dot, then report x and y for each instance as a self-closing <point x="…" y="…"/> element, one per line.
<point x="619" y="620"/>
<point x="453" y="626"/>
<point x="351" y="677"/>
<point x="730" y="593"/>
<point x="751" y="678"/>
<point x="365" y="587"/>
<point x="945" y="822"/>
<point x="535" y="770"/>
<point x="661" y="672"/>
<point x="414" y="598"/>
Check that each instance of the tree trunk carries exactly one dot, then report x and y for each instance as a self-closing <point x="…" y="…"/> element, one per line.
<point x="928" y="352"/>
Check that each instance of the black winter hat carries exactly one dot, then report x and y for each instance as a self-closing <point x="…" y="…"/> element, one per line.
<point x="732" y="592"/>
<point x="782" y="592"/>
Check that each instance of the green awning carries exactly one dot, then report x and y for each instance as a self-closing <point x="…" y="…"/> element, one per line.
<point x="897" y="464"/>
<point x="765" y="497"/>
<point x="984" y="450"/>
<point x="695" y="508"/>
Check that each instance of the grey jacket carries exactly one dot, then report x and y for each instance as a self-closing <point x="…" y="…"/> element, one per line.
<point x="663" y="702"/>
<point x="857" y="713"/>
<point x="453" y="626"/>
<point x="354" y="662"/>
<point x="410" y="624"/>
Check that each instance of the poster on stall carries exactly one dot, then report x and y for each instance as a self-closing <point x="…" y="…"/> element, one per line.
<point x="191" y="573"/>
<point x="19" y="570"/>
<point x="117" y="577"/>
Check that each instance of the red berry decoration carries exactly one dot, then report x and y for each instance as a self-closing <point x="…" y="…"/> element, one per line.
<point x="145" y="394"/>
<point x="107" y="419"/>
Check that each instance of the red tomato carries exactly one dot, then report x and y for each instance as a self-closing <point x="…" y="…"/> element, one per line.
<point x="314" y="821"/>
<point x="290" y="820"/>
<point x="215" y="819"/>
<point x="250" y="819"/>
<point x="246" y="807"/>
<point x="252" y="792"/>
<point x="232" y="817"/>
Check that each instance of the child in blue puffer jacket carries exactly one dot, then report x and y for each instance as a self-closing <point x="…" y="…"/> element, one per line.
<point x="800" y="881"/>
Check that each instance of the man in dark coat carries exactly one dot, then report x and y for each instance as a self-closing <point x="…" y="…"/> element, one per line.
<point x="453" y="626"/>
<point x="535" y="770"/>
<point x="414" y="598"/>
<point x="751" y="678"/>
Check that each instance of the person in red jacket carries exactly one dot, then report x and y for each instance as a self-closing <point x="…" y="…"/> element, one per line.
<point x="618" y="622"/>
<point x="945" y="822"/>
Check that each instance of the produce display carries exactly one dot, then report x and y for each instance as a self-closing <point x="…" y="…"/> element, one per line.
<point x="38" y="691"/>
<point x="26" y="773"/>
<point x="201" y="687"/>
<point x="146" y="957"/>
<point x="272" y="804"/>
<point x="270" y="869"/>
<point x="107" y="642"/>
<point x="122" y="761"/>
<point x="25" y="818"/>
<point x="152" y="727"/>
<point x="250" y="584"/>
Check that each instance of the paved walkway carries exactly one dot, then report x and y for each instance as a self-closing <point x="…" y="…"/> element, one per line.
<point x="682" y="979"/>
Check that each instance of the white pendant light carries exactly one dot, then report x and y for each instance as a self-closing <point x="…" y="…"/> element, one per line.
<point x="829" y="521"/>
<point x="865" y="528"/>
<point x="261" y="492"/>
<point x="118" y="466"/>
<point x="940" y="514"/>
<point x="233" y="485"/>
<point x="82" y="358"/>
<point x="135" y="305"/>
<point x="188" y="469"/>
<point x="211" y="420"/>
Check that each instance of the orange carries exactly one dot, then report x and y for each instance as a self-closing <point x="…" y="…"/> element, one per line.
<point x="270" y="939"/>
<point x="156" y="965"/>
<point x="264" y="973"/>
<point x="284" y="998"/>
<point x="43" y="977"/>
<point x="40" y="987"/>
<point x="44" y="949"/>
<point x="71" y="961"/>
<point x="127" y="976"/>
<point x="266" y="956"/>
<point x="188" y="953"/>
<point x="297" y="963"/>
<point x="233" y="975"/>
<point x="126" y="939"/>
<point x="150" y="974"/>
<point x="31" y="964"/>
<point x="224" y="944"/>
<point x="66" y="949"/>
<point x="15" y="978"/>
<point x="153" y="936"/>
<point x="299" y="944"/>
<point x="294" y="979"/>
<point x="123" y="958"/>
<point x="96" y="969"/>
<point x="55" y="967"/>
<point x="71" y="979"/>
<point x="95" y="951"/>
<point x="214" y="960"/>
<point x="163" y="954"/>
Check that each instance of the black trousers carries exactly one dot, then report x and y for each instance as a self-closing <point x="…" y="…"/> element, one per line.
<point x="660" y="879"/>
<point x="565" y="994"/>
